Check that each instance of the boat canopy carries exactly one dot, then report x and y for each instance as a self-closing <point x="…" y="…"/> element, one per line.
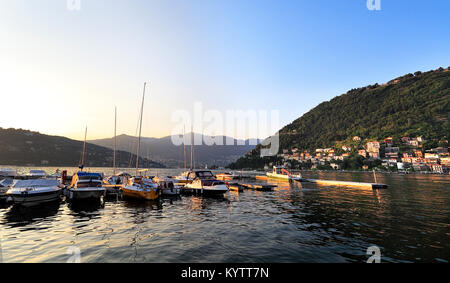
<point x="6" y="182"/>
<point x="88" y="175"/>
<point x="36" y="183"/>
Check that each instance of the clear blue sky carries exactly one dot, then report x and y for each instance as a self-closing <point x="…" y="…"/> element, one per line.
<point x="228" y="54"/>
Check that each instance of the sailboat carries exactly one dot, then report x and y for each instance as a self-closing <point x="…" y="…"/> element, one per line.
<point x="86" y="185"/>
<point x="140" y="187"/>
<point x="184" y="177"/>
<point x="114" y="182"/>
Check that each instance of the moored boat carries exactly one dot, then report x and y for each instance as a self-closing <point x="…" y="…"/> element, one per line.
<point x="36" y="174"/>
<point x="7" y="172"/>
<point x="167" y="186"/>
<point x="205" y="183"/>
<point x="33" y="192"/>
<point x="280" y="173"/>
<point x="141" y="188"/>
<point x="228" y="176"/>
<point x="86" y="186"/>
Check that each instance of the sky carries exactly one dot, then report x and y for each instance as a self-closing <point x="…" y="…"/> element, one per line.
<point x="62" y="69"/>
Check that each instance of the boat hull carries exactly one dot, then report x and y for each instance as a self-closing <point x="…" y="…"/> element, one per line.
<point x="209" y="190"/>
<point x="142" y="194"/>
<point x="35" y="198"/>
<point x="282" y="177"/>
<point x="86" y="193"/>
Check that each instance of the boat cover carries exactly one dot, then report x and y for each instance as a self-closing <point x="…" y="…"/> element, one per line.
<point x="36" y="183"/>
<point x="6" y="183"/>
<point x="86" y="174"/>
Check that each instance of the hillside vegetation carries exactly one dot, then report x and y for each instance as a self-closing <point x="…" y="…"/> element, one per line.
<point x="25" y="148"/>
<point x="412" y="105"/>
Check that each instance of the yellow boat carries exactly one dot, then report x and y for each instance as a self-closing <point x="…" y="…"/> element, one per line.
<point x="141" y="188"/>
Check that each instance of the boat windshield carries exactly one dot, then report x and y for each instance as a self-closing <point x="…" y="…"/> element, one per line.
<point x="204" y="174"/>
<point x="212" y="183"/>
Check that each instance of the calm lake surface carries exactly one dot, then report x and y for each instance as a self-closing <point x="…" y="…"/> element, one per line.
<point x="409" y="222"/>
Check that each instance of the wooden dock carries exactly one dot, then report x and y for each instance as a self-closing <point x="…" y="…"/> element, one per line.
<point x="347" y="184"/>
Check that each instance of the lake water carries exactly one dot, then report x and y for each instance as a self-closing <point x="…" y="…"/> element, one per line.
<point x="409" y="222"/>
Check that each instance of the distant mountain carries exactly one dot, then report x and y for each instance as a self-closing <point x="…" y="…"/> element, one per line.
<point x="26" y="148"/>
<point x="412" y="105"/>
<point x="164" y="151"/>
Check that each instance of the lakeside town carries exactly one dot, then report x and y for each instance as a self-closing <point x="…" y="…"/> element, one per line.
<point x="394" y="155"/>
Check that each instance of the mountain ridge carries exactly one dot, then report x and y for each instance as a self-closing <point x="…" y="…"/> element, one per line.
<point x="29" y="148"/>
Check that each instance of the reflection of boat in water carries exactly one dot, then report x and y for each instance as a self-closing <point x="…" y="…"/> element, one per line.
<point x="86" y="186"/>
<point x="33" y="192"/>
<point x="167" y="186"/>
<point x="205" y="183"/>
<point x="19" y="216"/>
<point x="280" y="173"/>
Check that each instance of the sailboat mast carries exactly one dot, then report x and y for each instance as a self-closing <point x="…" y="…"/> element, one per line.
<point x="140" y="131"/>
<point x="115" y="140"/>
<point x="192" y="147"/>
<point x="184" y="145"/>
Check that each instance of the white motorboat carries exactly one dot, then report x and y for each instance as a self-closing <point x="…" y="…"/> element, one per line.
<point x="86" y="186"/>
<point x="37" y="174"/>
<point x="33" y="192"/>
<point x="167" y="186"/>
<point x="281" y="173"/>
<point x="7" y="172"/>
<point x="205" y="183"/>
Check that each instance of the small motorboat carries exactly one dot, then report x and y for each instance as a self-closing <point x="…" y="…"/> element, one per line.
<point x="141" y="188"/>
<point x="86" y="186"/>
<point x="7" y="172"/>
<point x="33" y="192"/>
<point x="227" y="176"/>
<point x="167" y="186"/>
<point x="36" y="174"/>
<point x="205" y="183"/>
<point x="184" y="178"/>
<point x="280" y="173"/>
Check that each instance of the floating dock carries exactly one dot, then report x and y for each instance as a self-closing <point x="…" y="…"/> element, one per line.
<point x="235" y="187"/>
<point x="259" y="187"/>
<point x="347" y="184"/>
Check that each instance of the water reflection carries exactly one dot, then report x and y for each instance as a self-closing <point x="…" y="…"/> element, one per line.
<point x="33" y="217"/>
<point x="294" y="223"/>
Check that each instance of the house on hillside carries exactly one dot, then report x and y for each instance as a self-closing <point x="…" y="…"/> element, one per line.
<point x="356" y="139"/>
<point x="389" y="141"/>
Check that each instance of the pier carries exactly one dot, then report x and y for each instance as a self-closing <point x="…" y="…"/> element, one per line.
<point x="347" y="184"/>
